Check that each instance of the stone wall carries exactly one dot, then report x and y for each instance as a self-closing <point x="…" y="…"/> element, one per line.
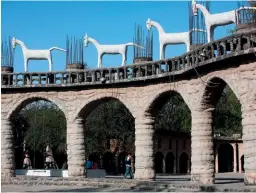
<point x="200" y="98"/>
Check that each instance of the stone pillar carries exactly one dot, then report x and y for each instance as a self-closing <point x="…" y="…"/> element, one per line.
<point x="76" y="149"/>
<point x="217" y="159"/>
<point x="144" y="148"/>
<point x="249" y="140"/>
<point x="202" y="153"/>
<point x="188" y="167"/>
<point x="235" y="156"/>
<point x="7" y="149"/>
<point x="216" y="163"/>
<point x="174" y="166"/>
<point x="239" y="159"/>
<point x="164" y="171"/>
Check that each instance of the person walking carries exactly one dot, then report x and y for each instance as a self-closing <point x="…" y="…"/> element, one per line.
<point x="128" y="169"/>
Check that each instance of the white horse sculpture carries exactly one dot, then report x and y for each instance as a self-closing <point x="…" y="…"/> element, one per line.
<point x="35" y="54"/>
<point x="218" y="19"/>
<point x="109" y="49"/>
<point x="170" y="38"/>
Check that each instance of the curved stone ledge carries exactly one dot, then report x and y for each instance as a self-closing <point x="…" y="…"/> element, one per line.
<point x="204" y="55"/>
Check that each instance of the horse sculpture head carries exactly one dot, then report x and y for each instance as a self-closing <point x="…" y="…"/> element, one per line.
<point x="148" y="23"/>
<point x="194" y="8"/>
<point x="86" y="40"/>
<point x="14" y="42"/>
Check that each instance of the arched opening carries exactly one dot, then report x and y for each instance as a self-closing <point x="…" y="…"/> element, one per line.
<point x="108" y="162"/>
<point x="93" y="161"/>
<point x="172" y="125"/>
<point x="121" y="162"/>
<point x="225" y="110"/>
<point x="169" y="163"/>
<point x="225" y="158"/>
<point x="242" y="163"/>
<point x="184" y="163"/>
<point x="39" y="128"/>
<point x="110" y="131"/>
<point x="159" y="158"/>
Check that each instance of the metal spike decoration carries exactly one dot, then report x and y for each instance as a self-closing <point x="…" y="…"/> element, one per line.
<point x="142" y="40"/>
<point x="198" y="22"/>
<point x="75" y="51"/>
<point x="246" y="16"/>
<point x="7" y="53"/>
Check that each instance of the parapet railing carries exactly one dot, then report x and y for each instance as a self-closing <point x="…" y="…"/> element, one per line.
<point x="217" y="50"/>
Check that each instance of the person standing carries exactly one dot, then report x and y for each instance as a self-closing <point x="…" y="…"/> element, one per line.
<point x="128" y="170"/>
<point x="27" y="162"/>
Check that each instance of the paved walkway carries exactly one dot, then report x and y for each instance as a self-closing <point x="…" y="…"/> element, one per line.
<point x="224" y="181"/>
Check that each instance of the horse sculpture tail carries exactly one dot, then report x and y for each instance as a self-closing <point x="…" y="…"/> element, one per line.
<point x="56" y="48"/>
<point x="194" y="29"/>
<point x="133" y="44"/>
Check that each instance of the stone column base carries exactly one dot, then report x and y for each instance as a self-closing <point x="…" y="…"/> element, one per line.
<point x="202" y="179"/>
<point x="76" y="149"/>
<point x="250" y="178"/>
<point x="7" y="149"/>
<point x="144" y="174"/>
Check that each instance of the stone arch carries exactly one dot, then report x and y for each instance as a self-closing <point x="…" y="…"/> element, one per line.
<point x="121" y="162"/>
<point x="27" y="100"/>
<point x="163" y="97"/>
<point x="226" y="157"/>
<point x="93" y="102"/>
<point x="169" y="162"/>
<point x="211" y="91"/>
<point x="202" y="122"/>
<point x="184" y="163"/>
<point x="159" y="158"/>
<point x="108" y="162"/>
<point x="82" y="113"/>
<point x="36" y="155"/>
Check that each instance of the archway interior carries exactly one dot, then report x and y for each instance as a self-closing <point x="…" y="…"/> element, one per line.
<point x="159" y="158"/>
<point x="184" y="163"/>
<point x="226" y="116"/>
<point x="38" y="123"/>
<point x="226" y="158"/>
<point x="169" y="163"/>
<point x="172" y="125"/>
<point x="109" y="132"/>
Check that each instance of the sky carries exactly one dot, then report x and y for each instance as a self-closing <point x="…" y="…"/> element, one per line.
<point x="42" y="25"/>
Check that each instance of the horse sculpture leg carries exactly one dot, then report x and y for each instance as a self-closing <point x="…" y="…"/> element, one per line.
<point x="123" y="59"/>
<point x="161" y="52"/>
<point x="212" y="33"/>
<point x="25" y="64"/>
<point x="100" y="60"/>
<point x="50" y="64"/>
<point x="208" y="34"/>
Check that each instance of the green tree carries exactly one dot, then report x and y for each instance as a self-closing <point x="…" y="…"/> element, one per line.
<point x="227" y="116"/>
<point x="174" y="116"/>
<point x="46" y="125"/>
<point x="110" y="120"/>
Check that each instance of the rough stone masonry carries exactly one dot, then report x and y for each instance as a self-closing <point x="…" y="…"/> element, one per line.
<point x="199" y="96"/>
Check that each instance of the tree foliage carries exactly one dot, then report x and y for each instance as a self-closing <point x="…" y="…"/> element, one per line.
<point x="174" y="116"/>
<point x="110" y="120"/>
<point x="42" y="123"/>
<point x="227" y="116"/>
